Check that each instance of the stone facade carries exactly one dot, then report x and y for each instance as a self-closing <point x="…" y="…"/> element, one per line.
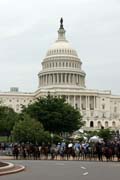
<point x="62" y="75"/>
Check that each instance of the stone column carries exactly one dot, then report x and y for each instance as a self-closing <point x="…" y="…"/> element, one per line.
<point x="77" y="79"/>
<point x="68" y="100"/>
<point x="86" y="102"/>
<point x="53" y="78"/>
<point x="50" y="82"/>
<point x="94" y="102"/>
<point x="57" y="78"/>
<point x="74" y="79"/>
<point x="69" y="79"/>
<point x="65" y="78"/>
<point x="50" y="79"/>
<point x="61" y="78"/>
<point x="47" y="79"/>
<point x="41" y="80"/>
<point x="44" y="79"/>
<point x="80" y="80"/>
<point x="80" y="103"/>
<point x="74" y="101"/>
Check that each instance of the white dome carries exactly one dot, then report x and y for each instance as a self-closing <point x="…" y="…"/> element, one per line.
<point x="61" y="44"/>
<point x="61" y="47"/>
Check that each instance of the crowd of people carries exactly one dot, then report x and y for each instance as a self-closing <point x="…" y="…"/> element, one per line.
<point x="101" y="151"/>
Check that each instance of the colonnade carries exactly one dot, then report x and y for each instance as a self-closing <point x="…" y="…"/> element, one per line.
<point x="61" y="78"/>
<point x="83" y="102"/>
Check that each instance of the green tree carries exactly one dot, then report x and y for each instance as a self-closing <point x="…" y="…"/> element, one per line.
<point x="105" y="134"/>
<point x="29" y="130"/>
<point x="55" y="114"/>
<point x="89" y="134"/>
<point x="7" y="120"/>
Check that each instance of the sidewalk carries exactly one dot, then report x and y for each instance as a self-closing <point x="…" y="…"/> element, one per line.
<point x="58" y="158"/>
<point x="6" y="158"/>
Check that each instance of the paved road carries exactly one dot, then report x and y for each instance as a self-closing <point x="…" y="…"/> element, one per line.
<point x="66" y="170"/>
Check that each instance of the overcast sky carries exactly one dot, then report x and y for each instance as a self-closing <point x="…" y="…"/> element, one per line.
<point x="29" y="27"/>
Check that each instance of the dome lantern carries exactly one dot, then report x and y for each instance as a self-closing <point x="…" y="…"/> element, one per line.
<point x="61" y="32"/>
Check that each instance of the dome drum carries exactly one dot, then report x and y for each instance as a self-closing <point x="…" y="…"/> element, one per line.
<point x="61" y="51"/>
<point x="61" y="78"/>
<point x="61" y="64"/>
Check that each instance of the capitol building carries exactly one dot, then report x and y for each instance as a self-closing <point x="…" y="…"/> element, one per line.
<point x="62" y="75"/>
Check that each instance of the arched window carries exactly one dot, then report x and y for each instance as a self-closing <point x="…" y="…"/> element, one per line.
<point x="106" y="124"/>
<point x="17" y="107"/>
<point x="76" y="106"/>
<point x="91" y="124"/>
<point x="113" y="124"/>
<point x="99" y="124"/>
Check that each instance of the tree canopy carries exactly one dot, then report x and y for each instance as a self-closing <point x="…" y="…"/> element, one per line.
<point x="106" y="134"/>
<point x="7" y="120"/>
<point x="55" y="114"/>
<point x="30" y="130"/>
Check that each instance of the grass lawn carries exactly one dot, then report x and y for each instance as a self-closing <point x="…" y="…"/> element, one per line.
<point x="3" y="138"/>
